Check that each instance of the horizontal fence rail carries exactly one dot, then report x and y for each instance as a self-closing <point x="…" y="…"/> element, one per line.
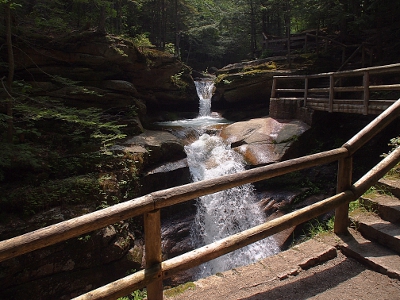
<point x="149" y="205"/>
<point x="326" y="94"/>
<point x="206" y="253"/>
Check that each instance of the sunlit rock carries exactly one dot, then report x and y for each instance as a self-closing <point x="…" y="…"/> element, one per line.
<point x="263" y="140"/>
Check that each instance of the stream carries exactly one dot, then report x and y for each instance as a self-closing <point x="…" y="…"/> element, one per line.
<point x="227" y="212"/>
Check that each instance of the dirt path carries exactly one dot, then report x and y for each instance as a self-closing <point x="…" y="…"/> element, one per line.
<point x="312" y="270"/>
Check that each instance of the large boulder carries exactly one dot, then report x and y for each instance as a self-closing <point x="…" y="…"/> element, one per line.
<point x="242" y="90"/>
<point x="264" y="140"/>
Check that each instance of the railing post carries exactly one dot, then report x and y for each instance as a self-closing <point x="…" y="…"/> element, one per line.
<point x="152" y="230"/>
<point x="366" y="91"/>
<point x="344" y="178"/>
<point x="305" y="90"/>
<point x="331" y="92"/>
<point x="273" y="90"/>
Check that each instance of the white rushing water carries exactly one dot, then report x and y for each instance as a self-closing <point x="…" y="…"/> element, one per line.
<point x="227" y="212"/>
<point x="204" y="90"/>
<point x="205" y="116"/>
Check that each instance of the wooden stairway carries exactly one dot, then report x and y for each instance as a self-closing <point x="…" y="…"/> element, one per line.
<point x="375" y="239"/>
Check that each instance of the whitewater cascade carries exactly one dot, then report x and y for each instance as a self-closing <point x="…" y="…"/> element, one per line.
<point x="227" y="212"/>
<point x="204" y="90"/>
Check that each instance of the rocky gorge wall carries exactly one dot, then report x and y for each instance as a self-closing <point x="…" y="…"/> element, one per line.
<point x="114" y="75"/>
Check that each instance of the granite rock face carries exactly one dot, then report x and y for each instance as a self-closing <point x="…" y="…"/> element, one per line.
<point x="264" y="140"/>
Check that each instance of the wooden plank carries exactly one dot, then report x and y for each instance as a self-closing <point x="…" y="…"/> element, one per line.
<point x="319" y="90"/>
<point x="290" y="90"/>
<point x="287" y="77"/>
<point x="349" y="89"/>
<point x="385" y="87"/>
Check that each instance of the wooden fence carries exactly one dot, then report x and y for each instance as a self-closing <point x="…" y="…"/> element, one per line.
<point x="331" y="95"/>
<point x="308" y="42"/>
<point x="149" y="205"/>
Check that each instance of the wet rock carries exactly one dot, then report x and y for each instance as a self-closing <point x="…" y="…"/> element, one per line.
<point x="156" y="147"/>
<point x="175" y="236"/>
<point x="263" y="140"/>
<point x="120" y="86"/>
<point x="165" y="176"/>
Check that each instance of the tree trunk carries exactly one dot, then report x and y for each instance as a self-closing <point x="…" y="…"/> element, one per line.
<point x="101" y="28"/>
<point x="253" y="30"/>
<point x="177" y="31"/>
<point x="287" y="25"/>
<point x="10" y="78"/>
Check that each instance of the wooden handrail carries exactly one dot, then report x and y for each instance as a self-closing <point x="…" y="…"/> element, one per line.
<point x="150" y="205"/>
<point x="75" y="227"/>
<point x="244" y="238"/>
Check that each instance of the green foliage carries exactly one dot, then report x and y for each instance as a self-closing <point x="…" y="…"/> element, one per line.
<point x="316" y="227"/>
<point x="179" y="289"/>
<point x="395" y="142"/>
<point x="60" y="153"/>
<point x="31" y="199"/>
<point x="142" y="40"/>
<point x="136" y="295"/>
<point x="178" y="81"/>
<point x="353" y="206"/>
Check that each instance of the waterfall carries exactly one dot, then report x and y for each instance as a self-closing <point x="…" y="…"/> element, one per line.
<point x="227" y="212"/>
<point x="204" y="90"/>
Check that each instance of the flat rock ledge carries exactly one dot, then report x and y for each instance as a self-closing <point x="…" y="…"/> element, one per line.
<point x="263" y="140"/>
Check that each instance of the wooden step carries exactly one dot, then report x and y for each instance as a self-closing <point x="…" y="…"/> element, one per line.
<point x="387" y="207"/>
<point x="375" y="229"/>
<point x="377" y="257"/>
<point x="390" y="185"/>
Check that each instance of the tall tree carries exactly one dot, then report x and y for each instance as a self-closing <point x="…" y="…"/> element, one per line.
<point x="8" y="5"/>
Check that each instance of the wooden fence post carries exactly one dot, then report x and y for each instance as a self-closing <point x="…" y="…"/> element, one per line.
<point x="152" y="231"/>
<point x="331" y="92"/>
<point x="344" y="178"/>
<point x="305" y="91"/>
<point x="366" y="91"/>
<point x="273" y="90"/>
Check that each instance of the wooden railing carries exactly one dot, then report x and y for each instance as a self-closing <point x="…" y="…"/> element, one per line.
<point x="314" y="43"/>
<point x="329" y="97"/>
<point x="149" y="205"/>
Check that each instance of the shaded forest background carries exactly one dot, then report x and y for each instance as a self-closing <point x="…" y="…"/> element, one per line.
<point x="212" y="32"/>
<point x="50" y="146"/>
<point x="79" y="78"/>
